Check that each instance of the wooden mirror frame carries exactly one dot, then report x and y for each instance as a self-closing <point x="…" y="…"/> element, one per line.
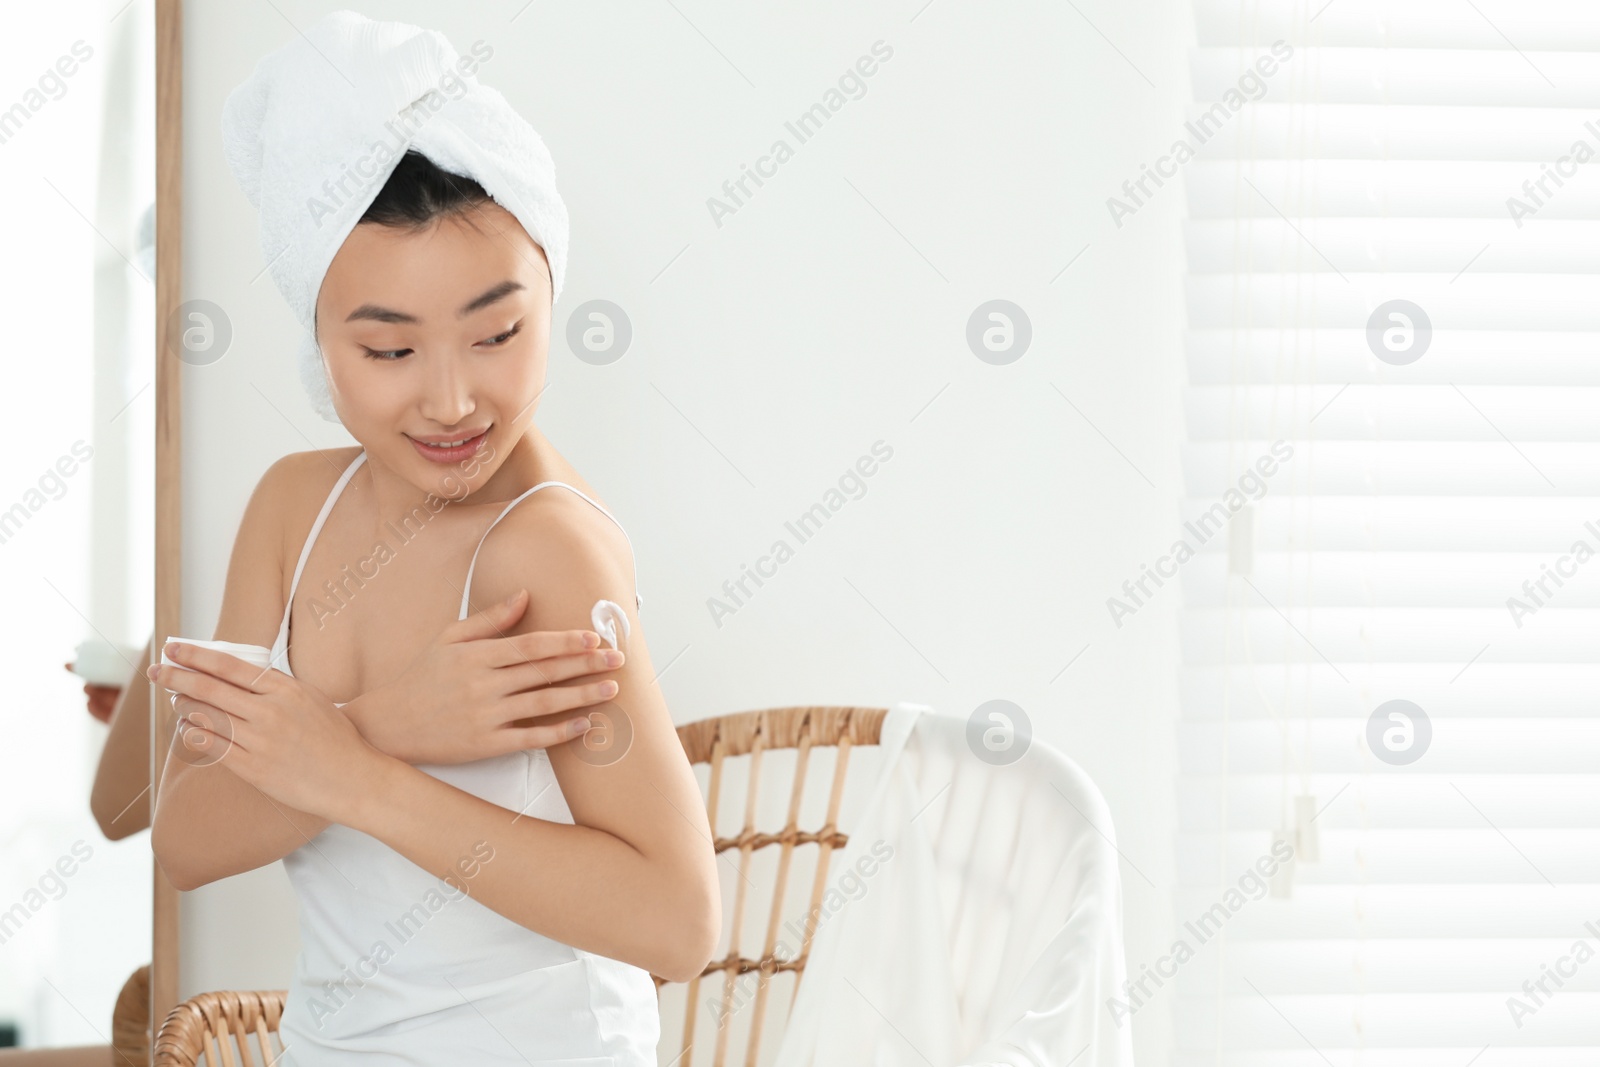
<point x="168" y="464"/>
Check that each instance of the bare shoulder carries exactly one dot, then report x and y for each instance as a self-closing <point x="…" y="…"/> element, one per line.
<point x="283" y="504"/>
<point x="299" y="475"/>
<point x="292" y="490"/>
<point x="564" y="550"/>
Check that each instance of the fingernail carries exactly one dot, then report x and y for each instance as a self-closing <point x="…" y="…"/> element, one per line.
<point x="578" y="726"/>
<point x="611" y="688"/>
<point x="591" y="640"/>
<point x="613" y="658"/>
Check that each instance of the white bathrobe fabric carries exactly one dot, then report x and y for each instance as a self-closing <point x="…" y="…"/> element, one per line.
<point x="993" y="936"/>
<point x="317" y="128"/>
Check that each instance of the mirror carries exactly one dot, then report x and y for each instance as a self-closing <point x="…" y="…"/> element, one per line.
<point x="77" y="505"/>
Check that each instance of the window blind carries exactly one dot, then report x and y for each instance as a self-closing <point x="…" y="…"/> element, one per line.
<point x="1442" y="903"/>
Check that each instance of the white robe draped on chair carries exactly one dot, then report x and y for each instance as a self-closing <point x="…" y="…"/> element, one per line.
<point x="993" y="933"/>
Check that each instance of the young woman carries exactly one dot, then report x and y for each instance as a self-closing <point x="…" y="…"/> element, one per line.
<point x="475" y="886"/>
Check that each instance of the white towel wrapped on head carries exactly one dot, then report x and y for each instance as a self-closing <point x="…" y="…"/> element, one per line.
<point x="316" y="129"/>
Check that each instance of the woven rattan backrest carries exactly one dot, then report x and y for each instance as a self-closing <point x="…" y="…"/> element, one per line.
<point x="752" y="733"/>
<point x="219" y="1026"/>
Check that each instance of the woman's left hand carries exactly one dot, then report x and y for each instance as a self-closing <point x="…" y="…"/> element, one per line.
<point x="102" y="698"/>
<point x="282" y="735"/>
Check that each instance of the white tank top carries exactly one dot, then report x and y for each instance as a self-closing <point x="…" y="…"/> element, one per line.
<point x="398" y="968"/>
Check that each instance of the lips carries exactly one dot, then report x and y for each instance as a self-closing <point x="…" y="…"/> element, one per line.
<point x="449" y="453"/>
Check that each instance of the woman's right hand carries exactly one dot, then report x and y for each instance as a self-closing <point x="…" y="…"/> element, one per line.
<point x="457" y="702"/>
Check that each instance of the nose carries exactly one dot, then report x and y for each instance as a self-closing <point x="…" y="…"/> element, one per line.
<point x="447" y="396"/>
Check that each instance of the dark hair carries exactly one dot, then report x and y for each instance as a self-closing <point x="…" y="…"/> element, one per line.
<point x="418" y="194"/>
<point x="419" y="191"/>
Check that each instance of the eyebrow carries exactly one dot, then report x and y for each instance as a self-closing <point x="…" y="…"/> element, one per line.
<point x="383" y="314"/>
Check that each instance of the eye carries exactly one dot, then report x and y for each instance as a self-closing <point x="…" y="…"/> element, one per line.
<point x="390" y="355"/>
<point x="500" y="339"/>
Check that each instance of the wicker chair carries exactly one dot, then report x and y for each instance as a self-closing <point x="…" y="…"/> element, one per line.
<point x="220" y="1024"/>
<point x="130" y="1020"/>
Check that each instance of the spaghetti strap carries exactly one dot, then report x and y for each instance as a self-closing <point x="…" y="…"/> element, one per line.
<point x="305" y="550"/>
<point x="466" y="592"/>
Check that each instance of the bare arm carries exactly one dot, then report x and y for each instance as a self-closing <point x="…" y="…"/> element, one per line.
<point x="120" y="799"/>
<point x="209" y="823"/>
<point x="635" y="877"/>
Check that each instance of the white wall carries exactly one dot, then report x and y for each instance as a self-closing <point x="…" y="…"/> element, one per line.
<point x="829" y="312"/>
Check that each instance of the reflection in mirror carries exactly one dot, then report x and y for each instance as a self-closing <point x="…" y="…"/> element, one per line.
<point x="76" y="515"/>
